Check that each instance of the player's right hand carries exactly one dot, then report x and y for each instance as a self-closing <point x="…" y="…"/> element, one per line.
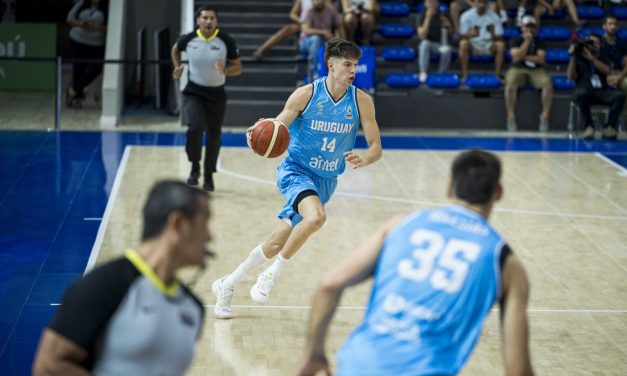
<point x="178" y="72"/>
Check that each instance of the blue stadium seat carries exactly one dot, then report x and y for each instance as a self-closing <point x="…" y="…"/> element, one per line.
<point x="421" y="7"/>
<point x="483" y="81"/>
<point x="398" y="53"/>
<point x="402" y="79"/>
<point x="396" y="30"/>
<point x="510" y="32"/>
<point x="552" y="32"/>
<point x="562" y="83"/>
<point x="557" y="56"/>
<point x="558" y="15"/>
<point x="622" y="33"/>
<point x="590" y="12"/>
<point x="482" y="59"/>
<point x="619" y="12"/>
<point x="443" y="81"/>
<point x="585" y="31"/>
<point x="394" y="9"/>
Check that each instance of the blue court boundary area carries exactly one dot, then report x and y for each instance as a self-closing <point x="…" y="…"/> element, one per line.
<point x="54" y="188"/>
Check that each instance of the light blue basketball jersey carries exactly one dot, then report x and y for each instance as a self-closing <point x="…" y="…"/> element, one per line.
<point x="325" y="129"/>
<point x="437" y="278"/>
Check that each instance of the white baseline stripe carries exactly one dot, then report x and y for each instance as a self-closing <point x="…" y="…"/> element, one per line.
<point x="95" y="250"/>
<point x="352" y="308"/>
<point x="548" y="310"/>
<point x="92" y="219"/>
<point x="606" y="159"/>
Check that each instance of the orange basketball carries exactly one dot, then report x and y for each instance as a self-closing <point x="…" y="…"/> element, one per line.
<point x="269" y="138"/>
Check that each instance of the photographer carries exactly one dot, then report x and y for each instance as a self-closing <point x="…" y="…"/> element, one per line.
<point x="589" y="71"/>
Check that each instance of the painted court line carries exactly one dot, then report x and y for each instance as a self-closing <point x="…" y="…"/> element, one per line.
<point x="606" y="159"/>
<point x="432" y="203"/>
<point x="355" y="308"/>
<point x="95" y="250"/>
<point x="92" y="219"/>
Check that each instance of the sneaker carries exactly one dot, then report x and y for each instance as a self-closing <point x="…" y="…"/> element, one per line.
<point x="260" y="292"/>
<point x="609" y="133"/>
<point x="588" y="133"/>
<point x="422" y="77"/>
<point x="208" y="186"/>
<point x="194" y="174"/>
<point x="223" y="302"/>
<point x="511" y="125"/>
<point x="544" y="125"/>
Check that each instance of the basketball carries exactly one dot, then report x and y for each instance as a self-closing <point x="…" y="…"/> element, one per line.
<point x="269" y="138"/>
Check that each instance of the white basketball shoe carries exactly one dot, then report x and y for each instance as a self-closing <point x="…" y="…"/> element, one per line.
<point x="223" y="299"/>
<point x="260" y="292"/>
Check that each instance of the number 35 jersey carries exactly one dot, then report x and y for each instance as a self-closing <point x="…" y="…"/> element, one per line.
<point x="437" y="277"/>
<point x="325" y="129"/>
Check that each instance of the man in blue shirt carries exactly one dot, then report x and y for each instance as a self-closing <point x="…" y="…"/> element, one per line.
<point x="323" y="118"/>
<point x="437" y="273"/>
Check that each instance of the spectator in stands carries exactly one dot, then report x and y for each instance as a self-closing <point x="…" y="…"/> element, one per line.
<point x="589" y="68"/>
<point x="615" y="50"/>
<point x="321" y="23"/>
<point x="543" y="7"/>
<point x="434" y="31"/>
<point x="359" y="15"/>
<point x="528" y="57"/>
<point x="297" y="15"/>
<point x="482" y="34"/>
<point x="457" y="7"/>
<point x="87" y="40"/>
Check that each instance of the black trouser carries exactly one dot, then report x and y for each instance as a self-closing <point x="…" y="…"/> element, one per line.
<point x="614" y="99"/>
<point x="203" y="112"/>
<point x="84" y="74"/>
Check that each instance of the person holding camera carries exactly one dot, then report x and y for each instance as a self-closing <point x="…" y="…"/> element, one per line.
<point x="528" y="58"/>
<point x="589" y="69"/>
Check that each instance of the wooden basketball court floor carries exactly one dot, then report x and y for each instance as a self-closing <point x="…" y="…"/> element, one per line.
<point x="564" y="213"/>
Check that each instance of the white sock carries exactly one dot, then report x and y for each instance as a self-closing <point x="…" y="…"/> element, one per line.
<point x="277" y="266"/>
<point x="254" y="259"/>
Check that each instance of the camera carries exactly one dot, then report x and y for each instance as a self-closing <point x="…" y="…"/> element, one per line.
<point x="580" y="44"/>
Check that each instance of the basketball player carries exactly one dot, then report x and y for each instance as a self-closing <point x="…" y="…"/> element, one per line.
<point x="131" y="316"/>
<point x="436" y="274"/>
<point x="323" y="118"/>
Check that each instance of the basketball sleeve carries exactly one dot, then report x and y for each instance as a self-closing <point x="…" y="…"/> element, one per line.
<point x="232" y="52"/>
<point x="181" y="43"/>
<point x="89" y="303"/>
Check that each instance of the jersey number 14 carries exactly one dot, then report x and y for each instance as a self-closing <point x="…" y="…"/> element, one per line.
<point x="445" y="263"/>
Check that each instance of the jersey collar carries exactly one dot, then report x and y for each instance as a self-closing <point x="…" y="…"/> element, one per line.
<point x="215" y="32"/>
<point x="147" y="271"/>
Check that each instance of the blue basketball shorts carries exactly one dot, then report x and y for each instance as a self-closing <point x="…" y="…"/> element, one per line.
<point x="292" y="180"/>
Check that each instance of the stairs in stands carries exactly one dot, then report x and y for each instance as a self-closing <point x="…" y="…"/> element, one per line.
<point x="263" y="87"/>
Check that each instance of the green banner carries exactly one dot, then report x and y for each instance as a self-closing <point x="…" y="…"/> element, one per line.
<point x="27" y="40"/>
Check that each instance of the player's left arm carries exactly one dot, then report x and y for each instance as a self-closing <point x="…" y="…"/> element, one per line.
<point x="233" y="67"/>
<point x="371" y="131"/>
<point x="355" y="268"/>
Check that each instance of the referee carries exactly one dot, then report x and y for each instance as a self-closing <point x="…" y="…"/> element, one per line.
<point x="204" y="98"/>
